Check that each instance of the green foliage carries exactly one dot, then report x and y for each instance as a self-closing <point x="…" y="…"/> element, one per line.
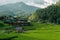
<point x="2" y="25"/>
<point x="50" y="14"/>
<point x="33" y="17"/>
<point x="58" y="20"/>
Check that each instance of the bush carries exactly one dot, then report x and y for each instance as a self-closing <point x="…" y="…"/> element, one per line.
<point x="2" y="25"/>
<point x="58" y="21"/>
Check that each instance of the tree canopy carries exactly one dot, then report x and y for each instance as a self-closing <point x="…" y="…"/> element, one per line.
<point x="50" y="14"/>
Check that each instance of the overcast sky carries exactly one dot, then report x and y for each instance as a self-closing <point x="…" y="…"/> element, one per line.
<point x="37" y="3"/>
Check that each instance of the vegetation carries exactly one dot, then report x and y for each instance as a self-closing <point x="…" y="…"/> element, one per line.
<point x="51" y="14"/>
<point x="48" y="29"/>
<point x="41" y="32"/>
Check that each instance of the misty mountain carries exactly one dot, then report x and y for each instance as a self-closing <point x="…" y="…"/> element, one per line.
<point x="19" y="8"/>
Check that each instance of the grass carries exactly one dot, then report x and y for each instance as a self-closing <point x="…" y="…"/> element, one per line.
<point x="39" y="32"/>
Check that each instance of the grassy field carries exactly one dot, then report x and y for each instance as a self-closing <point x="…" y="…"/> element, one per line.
<point x="37" y="32"/>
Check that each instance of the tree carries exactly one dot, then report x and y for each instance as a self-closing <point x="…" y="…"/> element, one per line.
<point x="49" y="14"/>
<point x="58" y="20"/>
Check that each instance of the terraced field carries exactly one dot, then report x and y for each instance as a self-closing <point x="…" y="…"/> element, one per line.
<point x="37" y="32"/>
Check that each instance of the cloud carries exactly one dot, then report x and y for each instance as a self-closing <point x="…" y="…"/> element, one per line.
<point x="40" y="3"/>
<point x="37" y="3"/>
<point x="2" y="2"/>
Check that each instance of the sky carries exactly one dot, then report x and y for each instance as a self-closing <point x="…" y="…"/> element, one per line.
<point x="37" y="3"/>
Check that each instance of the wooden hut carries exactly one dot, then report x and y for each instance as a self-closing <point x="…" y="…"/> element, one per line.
<point x="19" y="29"/>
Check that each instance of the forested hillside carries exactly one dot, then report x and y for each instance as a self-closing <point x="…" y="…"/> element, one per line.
<point x="51" y="14"/>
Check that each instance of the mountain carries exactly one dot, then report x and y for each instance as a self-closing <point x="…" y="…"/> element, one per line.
<point x="19" y="8"/>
